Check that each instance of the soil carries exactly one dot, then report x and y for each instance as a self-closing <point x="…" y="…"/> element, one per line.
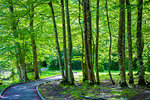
<point x="54" y="91"/>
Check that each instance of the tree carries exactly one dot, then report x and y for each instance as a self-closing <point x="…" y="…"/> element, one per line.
<point x="90" y="37"/>
<point x="87" y="40"/>
<point x="70" y="74"/>
<point x="97" y="38"/>
<point x="121" y="45"/>
<point x="109" y="45"/>
<point x="33" y="43"/>
<point x="140" y="44"/>
<point x="57" y="43"/>
<point x="64" y="40"/>
<point x="83" y="66"/>
<point x="130" y="66"/>
<point x="21" y="69"/>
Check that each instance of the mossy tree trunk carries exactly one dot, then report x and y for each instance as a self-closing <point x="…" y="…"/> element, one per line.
<point x="57" y="42"/>
<point x="70" y="73"/>
<point x="141" y="80"/>
<point x="121" y="44"/>
<point x="84" y="69"/>
<point x="14" y="27"/>
<point x="130" y="65"/>
<point x="33" y="43"/>
<point x="87" y="40"/>
<point x="97" y="38"/>
<point x="64" y="40"/>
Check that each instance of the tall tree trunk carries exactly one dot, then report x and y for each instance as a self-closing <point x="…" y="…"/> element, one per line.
<point x="109" y="45"/>
<point x="64" y="40"/>
<point x="97" y="38"/>
<point x="70" y="74"/>
<point x="141" y="80"/>
<point x="33" y="44"/>
<point x="11" y="8"/>
<point x="84" y="69"/>
<point x="87" y="47"/>
<point x="121" y="44"/>
<point x="89" y="25"/>
<point x="57" y="43"/>
<point x="130" y="66"/>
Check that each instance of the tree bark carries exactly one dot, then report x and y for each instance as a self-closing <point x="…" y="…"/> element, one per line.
<point x="85" y="76"/>
<point x="141" y="80"/>
<point x="11" y="8"/>
<point x="87" y="47"/>
<point x="89" y="25"/>
<point x="70" y="74"/>
<point x="97" y="38"/>
<point x="33" y="44"/>
<point x="64" y="40"/>
<point x="109" y="45"/>
<point x="57" y="43"/>
<point x="121" y="44"/>
<point x="130" y="66"/>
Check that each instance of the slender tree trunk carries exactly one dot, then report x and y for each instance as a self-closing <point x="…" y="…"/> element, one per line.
<point x="11" y="8"/>
<point x="141" y="80"/>
<point x="87" y="48"/>
<point x="64" y="41"/>
<point x="109" y="46"/>
<point x="70" y="74"/>
<point x="89" y="25"/>
<point x="130" y="66"/>
<point x="97" y="38"/>
<point x="121" y="44"/>
<point x="57" y="43"/>
<point x="85" y="77"/>
<point x="93" y="58"/>
<point x="33" y="44"/>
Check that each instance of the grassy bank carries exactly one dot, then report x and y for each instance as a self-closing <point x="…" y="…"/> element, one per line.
<point x="53" y="90"/>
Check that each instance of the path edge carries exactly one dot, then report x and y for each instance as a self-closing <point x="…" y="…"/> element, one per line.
<point x="37" y="88"/>
<point x="38" y="92"/>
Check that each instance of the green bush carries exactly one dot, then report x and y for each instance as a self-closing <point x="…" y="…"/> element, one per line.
<point x="114" y="65"/>
<point x="29" y="67"/>
<point x="53" y="65"/>
<point x="76" y="65"/>
<point x="100" y="67"/>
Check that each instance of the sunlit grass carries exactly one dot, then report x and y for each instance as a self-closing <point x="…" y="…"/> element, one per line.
<point x="104" y="91"/>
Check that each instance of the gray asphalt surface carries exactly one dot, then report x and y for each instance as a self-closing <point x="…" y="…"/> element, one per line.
<point x="25" y="91"/>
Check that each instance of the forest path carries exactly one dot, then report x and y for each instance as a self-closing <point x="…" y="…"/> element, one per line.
<point x="25" y="91"/>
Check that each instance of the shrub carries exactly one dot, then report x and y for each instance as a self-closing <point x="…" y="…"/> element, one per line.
<point x="100" y="67"/>
<point x="53" y="65"/>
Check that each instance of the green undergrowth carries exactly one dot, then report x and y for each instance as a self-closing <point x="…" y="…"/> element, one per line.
<point x="105" y="90"/>
<point x="43" y="74"/>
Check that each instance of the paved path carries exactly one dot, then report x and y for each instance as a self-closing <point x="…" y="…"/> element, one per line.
<point x="25" y="91"/>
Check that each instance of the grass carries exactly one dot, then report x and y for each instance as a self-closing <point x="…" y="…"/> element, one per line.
<point x="44" y="74"/>
<point x="105" y="90"/>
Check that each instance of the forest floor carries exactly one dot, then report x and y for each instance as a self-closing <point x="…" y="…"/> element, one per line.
<point x="55" y="91"/>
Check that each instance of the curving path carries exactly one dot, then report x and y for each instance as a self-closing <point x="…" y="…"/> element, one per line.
<point x="25" y="91"/>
